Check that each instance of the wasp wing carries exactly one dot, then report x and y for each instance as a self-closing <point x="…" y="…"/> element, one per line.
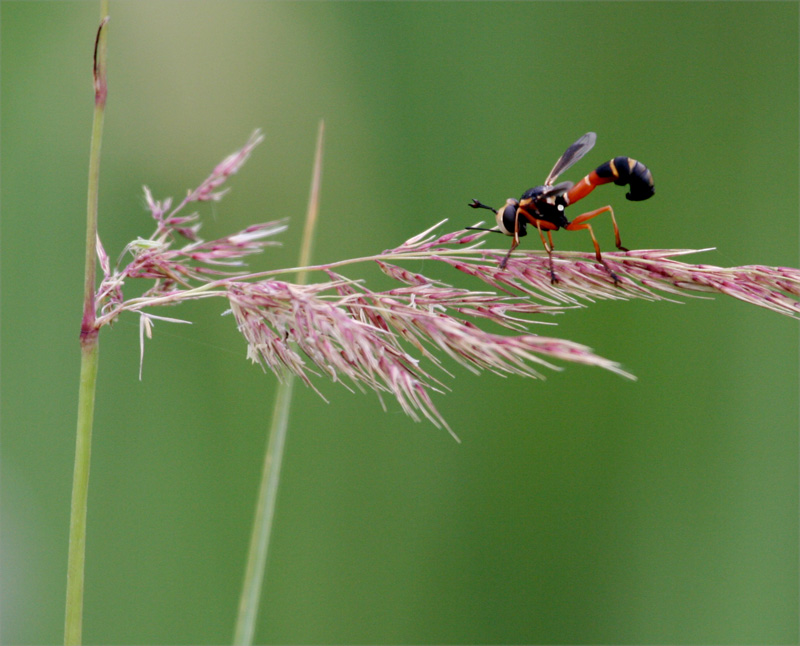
<point x="571" y="155"/>
<point x="558" y="189"/>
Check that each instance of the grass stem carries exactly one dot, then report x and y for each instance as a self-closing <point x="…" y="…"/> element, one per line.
<point x="73" y="623"/>
<point x="270" y="477"/>
<point x="90" y="349"/>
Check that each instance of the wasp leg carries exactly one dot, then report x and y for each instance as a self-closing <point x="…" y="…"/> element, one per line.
<point x="514" y="245"/>
<point x="591" y="214"/>
<point x="549" y="249"/>
<point x="581" y="223"/>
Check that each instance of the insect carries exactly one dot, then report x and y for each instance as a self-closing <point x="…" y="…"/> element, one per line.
<point x="544" y="206"/>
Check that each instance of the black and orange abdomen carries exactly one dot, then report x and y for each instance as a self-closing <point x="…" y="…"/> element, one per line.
<point x="621" y="171"/>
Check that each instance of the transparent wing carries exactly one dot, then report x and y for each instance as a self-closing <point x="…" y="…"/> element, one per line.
<point x="558" y="189"/>
<point x="571" y="155"/>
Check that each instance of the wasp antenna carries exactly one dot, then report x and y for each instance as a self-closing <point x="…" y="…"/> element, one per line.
<point x="475" y="204"/>
<point x="484" y="229"/>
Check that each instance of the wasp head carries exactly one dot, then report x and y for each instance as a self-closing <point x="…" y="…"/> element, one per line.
<point x="507" y="220"/>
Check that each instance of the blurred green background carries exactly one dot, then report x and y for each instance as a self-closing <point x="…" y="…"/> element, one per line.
<point x="582" y="509"/>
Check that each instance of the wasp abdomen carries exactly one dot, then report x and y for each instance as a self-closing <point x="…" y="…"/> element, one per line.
<point x="621" y="171"/>
<point x="624" y="170"/>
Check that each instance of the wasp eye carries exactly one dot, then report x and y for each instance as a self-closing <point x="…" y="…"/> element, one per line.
<point x="507" y="219"/>
<point x="510" y="218"/>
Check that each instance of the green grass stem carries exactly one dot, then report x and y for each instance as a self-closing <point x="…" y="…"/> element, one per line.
<point x="90" y="350"/>
<point x="270" y="477"/>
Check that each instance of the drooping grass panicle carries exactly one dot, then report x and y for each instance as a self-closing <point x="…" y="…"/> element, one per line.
<point x="380" y="340"/>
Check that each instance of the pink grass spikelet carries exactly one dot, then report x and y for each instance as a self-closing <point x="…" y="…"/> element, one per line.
<point x="230" y="165"/>
<point x="644" y="274"/>
<point x="357" y="336"/>
<point x="272" y="314"/>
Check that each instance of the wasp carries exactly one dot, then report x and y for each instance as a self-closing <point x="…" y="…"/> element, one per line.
<point x="544" y="206"/>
